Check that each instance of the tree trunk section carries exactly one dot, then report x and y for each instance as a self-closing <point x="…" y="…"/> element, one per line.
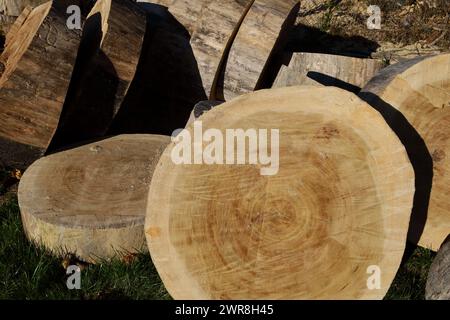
<point x="414" y="97"/>
<point x="38" y="67"/>
<point x="91" y="200"/>
<point x="261" y="37"/>
<point x="106" y="66"/>
<point x="339" y="203"/>
<point x="214" y="33"/>
<point x="330" y="70"/>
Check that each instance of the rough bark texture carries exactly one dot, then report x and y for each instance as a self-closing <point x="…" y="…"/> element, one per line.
<point x="106" y="66"/>
<point x="38" y="68"/>
<point x="414" y="98"/>
<point x="340" y="202"/>
<point x="438" y="283"/>
<point x="260" y="38"/>
<point x="91" y="200"/>
<point x="329" y="70"/>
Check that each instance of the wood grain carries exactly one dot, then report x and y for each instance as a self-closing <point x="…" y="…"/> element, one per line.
<point x="33" y="86"/>
<point x="261" y="35"/>
<point x="419" y="90"/>
<point x="213" y="36"/>
<point x="325" y="69"/>
<point x="339" y="204"/>
<point x="106" y="66"/>
<point x="15" y="7"/>
<point x="91" y="200"/>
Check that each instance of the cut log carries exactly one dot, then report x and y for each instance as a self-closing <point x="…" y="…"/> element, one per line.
<point x="38" y="67"/>
<point x="214" y="33"/>
<point x="201" y="108"/>
<point x="414" y="97"/>
<point x="339" y="203"/>
<point x="331" y="70"/>
<point x="90" y="201"/>
<point x="15" y="7"/>
<point x="187" y="12"/>
<point x="438" y="282"/>
<point x="261" y="37"/>
<point x="105" y="68"/>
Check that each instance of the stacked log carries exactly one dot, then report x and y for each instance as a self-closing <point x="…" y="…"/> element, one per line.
<point x="37" y="69"/>
<point x="414" y="98"/>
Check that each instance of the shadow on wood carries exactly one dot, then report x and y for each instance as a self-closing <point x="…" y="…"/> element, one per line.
<point x="167" y="85"/>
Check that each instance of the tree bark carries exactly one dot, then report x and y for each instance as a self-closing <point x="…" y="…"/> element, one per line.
<point x="91" y="200"/>
<point x="339" y="203"/>
<point x="438" y="283"/>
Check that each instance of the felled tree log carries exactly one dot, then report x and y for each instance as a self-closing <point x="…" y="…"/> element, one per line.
<point x="37" y="71"/>
<point x="438" y="283"/>
<point x="414" y="97"/>
<point x="261" y="37"/>
<point x="330" y="70"/>
<point x="91" y="201"/>
<point x="339" y="203"/>
<point x="106" y="66"/>
<point x="213" y="36"/>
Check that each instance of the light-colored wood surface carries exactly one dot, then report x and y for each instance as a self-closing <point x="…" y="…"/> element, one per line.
<point x="438" y="282"/>
<point x="38" y="68"/>
<point x="91" y="200"/>
<point x="214" y="33"/>
<point x="420" y="90"/>
<point x="105" y="70"/>
<point x="15" y="7"/>
<point x="261" y="34"/>
<point x="339" y="204"/>
<point x="19" y="21"/>
<point x="353" y="71"/>
<point x="187" y="12"/>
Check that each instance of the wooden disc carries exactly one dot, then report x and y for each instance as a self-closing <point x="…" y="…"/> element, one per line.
<point x="339" y="204"/>
<point x="326" y="69"/>
<point x="91" y="200"/>
<point x="260" y="36"/>
<point x="214" y="33"/>
<point x="420" y="90"/>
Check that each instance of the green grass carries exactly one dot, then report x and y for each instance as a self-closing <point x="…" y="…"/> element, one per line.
<point x="29" y="272"/>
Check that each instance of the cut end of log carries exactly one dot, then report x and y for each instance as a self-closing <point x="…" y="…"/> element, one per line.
<point x="337" y="208"/>
<point x="91" y="200"/>
<point x="23" y="37"/>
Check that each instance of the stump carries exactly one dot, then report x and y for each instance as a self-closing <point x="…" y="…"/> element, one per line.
<point x="326" y="69"/>
<point x="261" y="37"/>
<point x="339" y="204"/>
<point x="438" y="283"/>
<point x="38" y="68"/>
<point x="90" y="201"/>
<point x="106" y="66"/>
<point x="417" y="93"/>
